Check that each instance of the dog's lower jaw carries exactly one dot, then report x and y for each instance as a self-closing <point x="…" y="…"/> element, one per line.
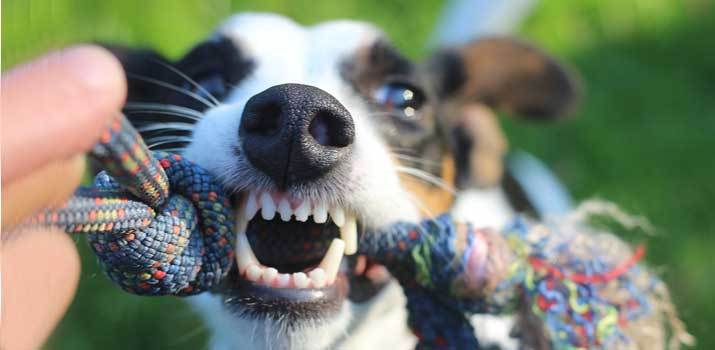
<point x="232" y="331"/>
<point x="380" y="323"/>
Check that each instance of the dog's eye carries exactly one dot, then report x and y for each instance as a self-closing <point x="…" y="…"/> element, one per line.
<point x="401" y="99"/>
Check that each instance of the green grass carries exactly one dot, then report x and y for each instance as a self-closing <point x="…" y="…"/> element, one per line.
<point x="644" y="137"/>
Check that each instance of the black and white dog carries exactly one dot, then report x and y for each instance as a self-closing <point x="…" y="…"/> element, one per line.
<point x="321" y="132"/>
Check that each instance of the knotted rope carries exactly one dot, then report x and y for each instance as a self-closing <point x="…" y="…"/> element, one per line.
<point x="161" y="225"/>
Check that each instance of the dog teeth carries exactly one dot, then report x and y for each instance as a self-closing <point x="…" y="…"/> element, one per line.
<point x="287" y="208"/>
<point x="254" y="273"/>
<point x="348" y="233"/>
<point x="283" y="280"/>
<point x="268" y="207"/>
<point x="303" y="211"/>
<point x="269" y="275"/>
<point x="284" y="209"/>
<point x="338" y="216"/>
<point x="331" y="260"/>
<point x="322" y="275"/>
<point x="251" y="207"/>
<point x="320" y="213"/>
<point x="300" y="280"/>
<point x="244" y="254"/>
<point x="317" y="276"/>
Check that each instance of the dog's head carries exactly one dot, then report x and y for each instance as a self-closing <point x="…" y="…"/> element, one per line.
<point x="320" y="133"/>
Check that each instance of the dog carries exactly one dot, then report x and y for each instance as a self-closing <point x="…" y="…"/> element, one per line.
<point x="323" y="132"/>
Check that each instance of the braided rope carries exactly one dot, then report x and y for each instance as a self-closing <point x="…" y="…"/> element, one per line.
<point x="161" y="225"/>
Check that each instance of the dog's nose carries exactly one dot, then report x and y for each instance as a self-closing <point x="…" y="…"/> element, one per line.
<point x="295" y="133"/>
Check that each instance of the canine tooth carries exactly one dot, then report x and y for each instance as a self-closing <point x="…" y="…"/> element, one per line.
<point x="331" y="260"/>
<point x="251" y="206"/>
<point x="254" y="273"/>
<point x="284" y="209"/>
<point x="338" y="216"/>
<point x="317" y="276"/>
<point x="269" y="207"/>
<point x="320" y="213"/>
<point x="244" y="253"/>
<point x="303" y="211"/>
<point x="241" y="220"/>
<point x="269" y="275"/>
<point x="283" y="280"/>
<point x="349" y="234"/>
<point x="301" y="280"/>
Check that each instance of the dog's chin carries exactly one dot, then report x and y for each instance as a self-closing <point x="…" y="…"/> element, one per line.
<point x="239" y="327"/>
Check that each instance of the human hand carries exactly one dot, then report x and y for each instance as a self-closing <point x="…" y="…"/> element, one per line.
<point x="53" y="110"/>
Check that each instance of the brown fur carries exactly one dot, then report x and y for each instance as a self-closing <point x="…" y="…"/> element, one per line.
<point x="514" y="77"/>
<point x="433" y="199"/>
<point x="490" y="145"/>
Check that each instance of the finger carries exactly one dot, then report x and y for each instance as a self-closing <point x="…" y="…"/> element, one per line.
<point x="51" y="184"/>
<point x="40" y="271"/>
<point x="57" y="106"/>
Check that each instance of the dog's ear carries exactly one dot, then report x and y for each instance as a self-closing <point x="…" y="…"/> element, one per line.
<point x="478" y="146"/>
<point x="141" y="67"/>
<point x="490" y="75"/>
<point x="203" y="74"/>
<point x="505" y="74"/>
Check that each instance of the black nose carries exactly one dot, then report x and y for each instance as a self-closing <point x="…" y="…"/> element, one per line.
<point x="295" y="133"/>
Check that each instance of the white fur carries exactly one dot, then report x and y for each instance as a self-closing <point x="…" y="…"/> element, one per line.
<point x="231" y="332"/>
<point x="487" y="207"/>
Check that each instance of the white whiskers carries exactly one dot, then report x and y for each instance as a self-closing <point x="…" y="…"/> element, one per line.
<point x="426" y="177"/>
<point x="189" y="80"/>
<point x="173" y="87"/>
<point x="160" y="108"/>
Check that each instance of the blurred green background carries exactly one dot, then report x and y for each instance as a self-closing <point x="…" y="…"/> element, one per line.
<point x="643" y="138"/>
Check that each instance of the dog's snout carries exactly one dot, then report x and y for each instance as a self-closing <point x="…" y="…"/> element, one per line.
<point x="295" y="133"/>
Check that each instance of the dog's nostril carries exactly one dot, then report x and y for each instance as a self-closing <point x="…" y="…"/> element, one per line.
<point x="295" y="133"/>
<point x="330" y="130"/>
<point x="266" y="121"/>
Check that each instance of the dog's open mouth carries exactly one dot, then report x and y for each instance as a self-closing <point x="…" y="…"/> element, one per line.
<point x="290" y="255"/>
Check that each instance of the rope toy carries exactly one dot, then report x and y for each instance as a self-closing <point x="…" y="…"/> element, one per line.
<point x="161" y="225"/>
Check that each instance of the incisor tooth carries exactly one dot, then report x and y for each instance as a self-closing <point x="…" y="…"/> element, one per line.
<point x="349" y="234"/>
<point x="254" y="273"/>
<point x="284" y="209"/>
<point x="317" y="276"/>
<point x="320" y="213"/>
<point x="268" y="207"/>
<point x="251" y="206"/>
<point x="301" y="280"/>
<point x="338" y="216"/>
<point x="283" y="280"/>
<point x="244" y="253"/>
<point x="269" y="275"/>
<point x="331" y="260"/>
<point x="303" y="211"/>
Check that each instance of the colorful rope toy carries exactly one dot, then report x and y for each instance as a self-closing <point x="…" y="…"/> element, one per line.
<point x="161" y="225"/>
